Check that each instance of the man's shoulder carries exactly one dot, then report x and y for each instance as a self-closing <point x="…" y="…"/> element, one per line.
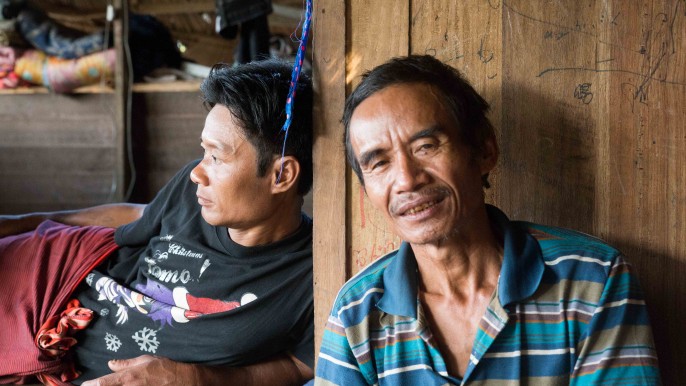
<point x="368" y="281"/>
<point x="567" y="250"/>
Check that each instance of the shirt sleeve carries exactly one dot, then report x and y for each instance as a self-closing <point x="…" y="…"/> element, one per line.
<point x="304" y="350"/>
<point x="337" y="364"/>
<point x="618" y="345"/>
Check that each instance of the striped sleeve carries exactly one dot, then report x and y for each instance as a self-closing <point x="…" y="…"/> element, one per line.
<point x="618" y="346"/>
<point x="337" y="364"/>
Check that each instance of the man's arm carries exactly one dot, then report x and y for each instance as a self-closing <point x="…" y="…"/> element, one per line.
<point x="148" y="370"/>
<point x="108" y="215"/>
<point x="618" y="344"/>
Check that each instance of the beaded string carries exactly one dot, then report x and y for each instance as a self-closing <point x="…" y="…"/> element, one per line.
<point x="295" y="75"/>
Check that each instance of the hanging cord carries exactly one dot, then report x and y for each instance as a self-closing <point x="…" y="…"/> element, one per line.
<point x="295" y="75"/>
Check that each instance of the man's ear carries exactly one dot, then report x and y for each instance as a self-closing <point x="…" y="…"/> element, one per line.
<point x="285" y="172"/>
<point x="488" y="157"/>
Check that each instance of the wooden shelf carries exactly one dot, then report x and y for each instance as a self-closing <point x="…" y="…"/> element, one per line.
<point x="176" y="86"/>
<point x="92" y="89"/>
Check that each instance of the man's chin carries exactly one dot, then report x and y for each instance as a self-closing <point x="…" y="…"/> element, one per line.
<point x="209" y="218"/>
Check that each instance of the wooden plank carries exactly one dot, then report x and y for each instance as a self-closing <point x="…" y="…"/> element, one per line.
<point x="548" y="154"/>
<point x="373" y="39"/>
<point x="329" y="247"/>
<point x="588" y="100"/>
<point x="467" y="36"/>
<point x="56" y="191"/>
<point x="56" y="151"/>
<point x="643" y="159"/>
<point x="607" y="79"/>
<point x="48" y="120"/>
<point x="166" y="87"/>
<point x="24" y="162"/>
<point x="167" y="136"/>
<point x="122" y="109"/>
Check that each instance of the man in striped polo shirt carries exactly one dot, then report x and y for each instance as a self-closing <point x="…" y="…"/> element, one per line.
<point x="470" y="297"/>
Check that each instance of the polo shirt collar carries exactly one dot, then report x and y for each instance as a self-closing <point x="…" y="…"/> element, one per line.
<point x="400" y="284"/>
<point x="520" y="274"/>
<point x="523" y="266"/>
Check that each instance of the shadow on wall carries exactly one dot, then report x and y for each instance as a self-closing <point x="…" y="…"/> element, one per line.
<point x="548" y="174"/>
<point x="547" y="167"/>
<point x="664" y="290"/>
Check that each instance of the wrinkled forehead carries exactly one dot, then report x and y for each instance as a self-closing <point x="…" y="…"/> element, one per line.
<point x="397" y="111"/>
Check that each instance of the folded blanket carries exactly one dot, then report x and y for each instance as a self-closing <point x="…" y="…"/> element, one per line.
<point x="40" y="272"/>
<point x="65" y="75"/>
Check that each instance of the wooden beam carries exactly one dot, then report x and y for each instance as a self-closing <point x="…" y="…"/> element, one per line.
<point x="329" y="244"/>
<point x="121" y="97"/>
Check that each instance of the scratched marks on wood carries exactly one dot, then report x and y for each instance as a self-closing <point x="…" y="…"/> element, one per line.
<point x="464" y="35"/>
<point x="371" y="235"/>
<point x="642" y="56"/>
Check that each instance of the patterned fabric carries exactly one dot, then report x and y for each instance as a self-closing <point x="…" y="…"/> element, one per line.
<point x="55" y="39"/>
<point x="182" y="289"/>
<point x="65" y="75"/>
<point x="8" y="78"/>
<point x="567" y="310"/>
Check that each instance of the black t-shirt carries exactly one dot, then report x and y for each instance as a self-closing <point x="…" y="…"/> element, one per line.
<point x="182" y="289"/>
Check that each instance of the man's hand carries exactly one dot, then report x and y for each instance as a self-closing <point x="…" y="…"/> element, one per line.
<point x="147" y="370"/>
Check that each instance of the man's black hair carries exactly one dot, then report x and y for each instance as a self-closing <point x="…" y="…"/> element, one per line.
<point x="255" y="93"/>
<point x="467" y="107"/>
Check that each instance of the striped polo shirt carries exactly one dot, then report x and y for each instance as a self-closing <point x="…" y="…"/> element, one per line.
<point x="567" y="310"/>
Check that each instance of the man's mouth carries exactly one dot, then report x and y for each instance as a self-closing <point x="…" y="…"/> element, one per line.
<point x="420" y="208"/>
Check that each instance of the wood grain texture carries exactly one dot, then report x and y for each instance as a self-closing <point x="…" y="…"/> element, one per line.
<point x="467" y="36"/>
<point x="588" y="99"/>
<point x="377" y="33"/>
<point x="56" y="151"/>
<point x="329" y="32"/>
<point x="166" y="137"/>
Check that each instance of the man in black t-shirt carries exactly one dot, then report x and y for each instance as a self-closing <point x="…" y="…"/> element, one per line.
<point x="210" y="283"/>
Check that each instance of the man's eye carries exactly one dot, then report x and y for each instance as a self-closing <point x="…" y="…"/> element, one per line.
<point x="378" y="164"/>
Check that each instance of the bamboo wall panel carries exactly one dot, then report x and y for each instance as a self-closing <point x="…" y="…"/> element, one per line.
<point x="588" y="99"/>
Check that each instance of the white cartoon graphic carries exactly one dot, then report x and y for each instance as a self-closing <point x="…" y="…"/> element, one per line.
<point x="146" y="340"/>
<point x="113" y="343"/>
<point x="205" y="264"/>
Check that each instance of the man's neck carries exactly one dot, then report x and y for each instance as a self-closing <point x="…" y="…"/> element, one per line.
<point x="281" y="224"/>
<point x="463" y="265"/>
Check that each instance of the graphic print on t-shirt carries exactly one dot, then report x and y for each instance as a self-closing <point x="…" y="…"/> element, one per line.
<point x="162" y="303"/>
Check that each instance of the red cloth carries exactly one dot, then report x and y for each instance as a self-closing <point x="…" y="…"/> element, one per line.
<point x="39" y="272"/>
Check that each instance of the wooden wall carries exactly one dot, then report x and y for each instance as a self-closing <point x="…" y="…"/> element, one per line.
<point x="167" y="128"/>
<point x="588" y="98"/>
<point x="57" y="151"/>
<point x="60" y="151"/>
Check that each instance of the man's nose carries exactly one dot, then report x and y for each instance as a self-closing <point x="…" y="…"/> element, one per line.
<point x="198" y="175"/>
<point x="409" y="174"/>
